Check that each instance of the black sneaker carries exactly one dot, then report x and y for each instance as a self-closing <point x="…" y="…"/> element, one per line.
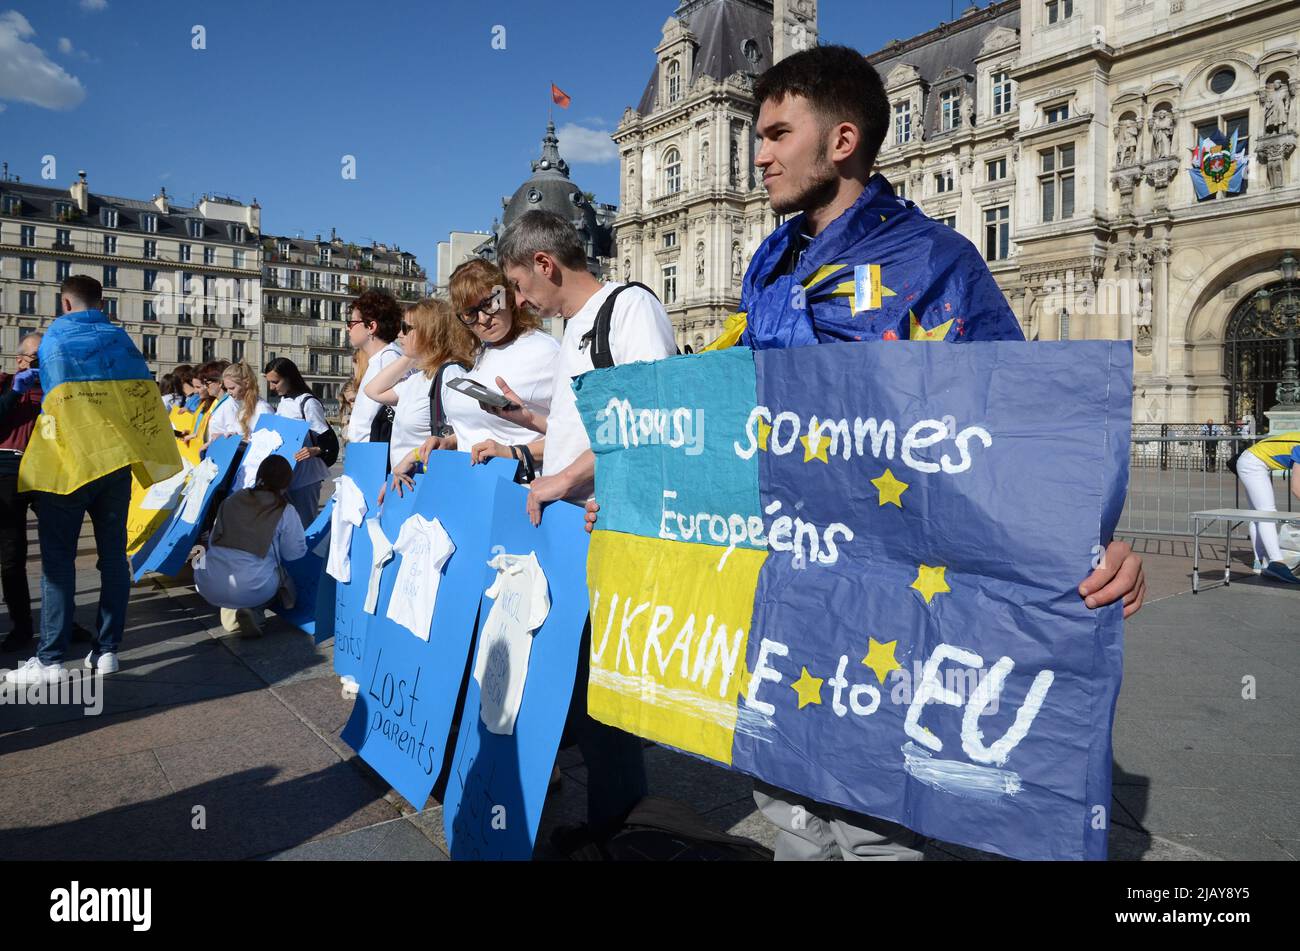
<point x="16" y="640"/>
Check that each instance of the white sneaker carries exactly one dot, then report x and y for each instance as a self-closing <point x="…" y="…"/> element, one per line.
<point x="105" y="663"/>
<point x="34" y="672"/>
<point x="1259" y="566"/>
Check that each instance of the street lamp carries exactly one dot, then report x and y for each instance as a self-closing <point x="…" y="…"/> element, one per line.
<point x="1283" y="307"/>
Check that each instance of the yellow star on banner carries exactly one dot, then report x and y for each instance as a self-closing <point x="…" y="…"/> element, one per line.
<point x="880" y="658"/>
<point x="808" y="687"/>
<point x="891" y="490"/>
<point x="934" y="333"/>
<point x="847" y="290"/>
<point x="764" y="430"/>
<point x="930" y="581"/>
<point x="822" y="273"/>
<point x="823" y="444"/>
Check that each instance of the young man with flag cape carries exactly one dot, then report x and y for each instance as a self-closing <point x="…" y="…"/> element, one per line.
<point x="858" y="263"/>
<point x="101" y="419"/>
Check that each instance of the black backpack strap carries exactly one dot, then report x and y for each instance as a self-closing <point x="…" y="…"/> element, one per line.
<point x="597" y="338"/>
<point x="437" y="415"/>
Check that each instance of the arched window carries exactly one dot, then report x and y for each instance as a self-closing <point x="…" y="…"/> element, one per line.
<point x="672" y="172"/>
<point x="674" y="81"/>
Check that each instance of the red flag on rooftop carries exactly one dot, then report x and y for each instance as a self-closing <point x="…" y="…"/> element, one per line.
<point x="560" y="97"/>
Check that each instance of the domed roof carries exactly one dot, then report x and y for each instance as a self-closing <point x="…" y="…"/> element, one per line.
<point x="550" y="189"/>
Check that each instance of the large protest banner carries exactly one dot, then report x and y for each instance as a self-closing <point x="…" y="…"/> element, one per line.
<point x="517" y="700"/>
<point x="852" y="570"/>
<point x="365" y="465"/>
<point x="414" y="657"/>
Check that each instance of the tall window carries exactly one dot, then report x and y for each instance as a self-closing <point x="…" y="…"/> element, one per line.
<point x="902" y="122"/>
<point x="950" y="110"/>
<point x="1056" y="182"/>
<point x="27" y="236"/>
<point x="150" y="313"/>
<point x="325" y="256"/>
<point x="237" y="258"/>
<point x="149" y="346"/>
<point x="110" y="244"/>
<point x="943" y="181"/>
<point x="63" y="237"/>
<point x="151" y="249"/>
<point x="997" y="232"/>
<point x="150" y="278"/>
<point x="183" y="315"/>
<point x="900" y="189"/>
<point x="183" y="349"/>
<point x="110" y="275"/>
<point x="996" y="169"/>
<point x="670" y="284"/>
<point x="26" y="302"/>
<point x="27" y="269"/>
<point x="110" y="308"/>
<point x="313" y="362"/>
<point x="950" y="221"/>
<point x="672" y="172"/>
<point x="149" y="222"/>
<point x="209" y="349"/>
<point x="1058" y="10"/>
<point x="670" y="239"/>
<point x="1001" y="93"/>
<point x="209" y="255"/>
<point x="185" y="253"/>
<point x="62" y="271"/>
<point x="195" y="228"/>
<point x="674" y="81"/>
<point x="236" y="350"/>
<point x="108" y="217"/>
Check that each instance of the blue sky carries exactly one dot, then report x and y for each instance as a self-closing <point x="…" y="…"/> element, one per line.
<point x="441" y="124"/>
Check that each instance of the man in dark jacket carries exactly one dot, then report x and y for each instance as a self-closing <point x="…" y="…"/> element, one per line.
<point x="20" y="404"/>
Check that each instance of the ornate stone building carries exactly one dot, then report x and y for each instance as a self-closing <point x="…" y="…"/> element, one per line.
<point x="1056" y="135"/>
<point x="693" y="210"/>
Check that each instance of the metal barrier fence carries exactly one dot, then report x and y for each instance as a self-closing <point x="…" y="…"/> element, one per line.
<point x="1177" y="473"/>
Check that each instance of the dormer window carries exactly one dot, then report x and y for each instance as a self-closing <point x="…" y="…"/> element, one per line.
<point x="62" y="210"/>
<point x="282" y="247"/>
<point x="108" y="217"/>
<point x="149" y="223"/>
<point x="674" y="80"/>
<point x="949" y="110"/>
<point x="237" y="233"/>
<point x="195" y="227"/>
<point x="13" y="205"/>
<point x="325" y="256"/>
<point x="902" y="123"/>
<point x="1001" y="82"/>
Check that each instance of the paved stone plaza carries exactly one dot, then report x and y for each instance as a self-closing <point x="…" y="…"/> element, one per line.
<point x="249" y="730"/>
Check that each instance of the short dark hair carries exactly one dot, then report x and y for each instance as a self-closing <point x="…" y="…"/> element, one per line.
<point x="380" y="308"/>
<point x="85" y="290"/>
<point x="543" y="232"/>
<point x="839" y="84"/>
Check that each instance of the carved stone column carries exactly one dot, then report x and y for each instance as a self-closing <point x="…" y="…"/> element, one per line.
<point x="1160" y="338"/>
<point x="1159" y="173"/>
<point x="1125" y="179"/>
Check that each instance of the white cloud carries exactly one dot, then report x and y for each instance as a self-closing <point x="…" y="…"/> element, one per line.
<point x="65" y="46"/>
<point x="27" y="74"/>
<point x="94" y="6"/>
<point x="591" y="146"/>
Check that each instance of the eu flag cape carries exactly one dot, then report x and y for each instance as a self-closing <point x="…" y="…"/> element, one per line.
<point x="101" y="411"/>
<point x="882" y="270"/>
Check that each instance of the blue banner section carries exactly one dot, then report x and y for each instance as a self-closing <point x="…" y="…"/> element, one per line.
<point x="313" y="609"/>
<point x="919" y="650"/>
<point x="680" y="419"/>
<point x="170" y="546"/>
<point x="86" y="346"/>
<point x="498" y="782"/>
<point x="401" y="722"/>
<point x="293" y="433"/>
<point x="366" y="464"/>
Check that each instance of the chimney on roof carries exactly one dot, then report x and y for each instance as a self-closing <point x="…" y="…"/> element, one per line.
<point x="253" y="217"/>
<point x="160" y="200"/>
<point x="80" y="192"/>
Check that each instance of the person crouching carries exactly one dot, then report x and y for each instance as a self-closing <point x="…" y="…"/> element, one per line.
<point x="256" y="531"/>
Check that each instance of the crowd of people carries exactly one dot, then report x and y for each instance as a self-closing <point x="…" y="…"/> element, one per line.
<point x="475" y="373"/>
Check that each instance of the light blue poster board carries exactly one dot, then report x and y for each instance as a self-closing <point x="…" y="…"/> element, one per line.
<point x="293" y="433"/>
<point x="309" y="578"/>
<point x="498" y="783"/>
<point x="366" y="463"/>
<point x="401" y="722"/>
<point x="171" y="545"/>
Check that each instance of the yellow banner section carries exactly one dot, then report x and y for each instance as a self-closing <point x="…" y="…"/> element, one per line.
<point x="88" y="429"/>
<point x="182" y="421"/>
<point x="668" y="637"/>
<point x="141" y="523"/>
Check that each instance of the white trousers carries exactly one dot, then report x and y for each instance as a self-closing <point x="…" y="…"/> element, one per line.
<point x="1257" y="479"/>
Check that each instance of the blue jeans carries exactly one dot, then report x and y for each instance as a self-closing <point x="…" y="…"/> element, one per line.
<point x="59" y="519"/>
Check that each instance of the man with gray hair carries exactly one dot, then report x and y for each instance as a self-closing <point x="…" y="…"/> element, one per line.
<point x="544" y="259"/>
<point x="20" y="404"/>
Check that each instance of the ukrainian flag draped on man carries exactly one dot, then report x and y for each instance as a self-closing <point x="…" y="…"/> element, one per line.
<point x="101" y="411"/>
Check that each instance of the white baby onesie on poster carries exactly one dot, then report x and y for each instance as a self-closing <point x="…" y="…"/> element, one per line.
<point x="260" y="445"/>
<point x="349" y="511"/>
<point x="204" y="473"/>
<point x="381" y="554"/>
<point x="521" y="603"/>
<point x="425" y="547"/>
<point x="163" y="496"/>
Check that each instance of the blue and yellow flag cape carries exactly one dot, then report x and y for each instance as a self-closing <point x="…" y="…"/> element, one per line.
<point x="880" y="271"/>
<point x="101" y="410"/>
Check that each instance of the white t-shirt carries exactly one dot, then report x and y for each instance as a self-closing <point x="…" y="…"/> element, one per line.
<point x="425" y="547"/>
<point x="349" y="510"/>
<point x="261" y="444"/>
<point x="201" y="479"/>
<point x="233" y="578"/>
<point x="521" y="604"/>
<point x="527" y="363"/>
<point x="411" y="420"/>
<point x="313" y="469"/>
<point x="381" y="552"/>
<point x="225" y="418"/>
<point x="364" y="408"/>
<point x="639" y="330"/>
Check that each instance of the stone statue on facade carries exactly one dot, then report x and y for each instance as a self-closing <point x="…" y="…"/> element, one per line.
<point x="706" y="164"/>
<point x="1277" y="107"/>
<point x="735" y="261"/>
<point x="735" y="163"/>
<point x="967" y="110"/>
<point x="699" y="264"/>
<point x="1161" y="125"/>
<point x="1126" y="142"/>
